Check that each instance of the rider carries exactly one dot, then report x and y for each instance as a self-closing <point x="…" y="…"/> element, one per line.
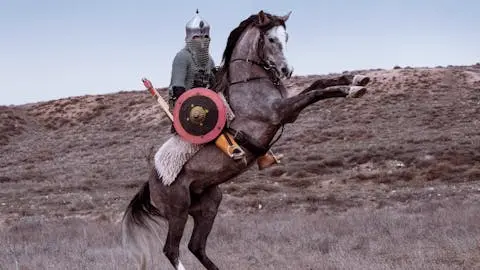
<point x="193" y="67"/>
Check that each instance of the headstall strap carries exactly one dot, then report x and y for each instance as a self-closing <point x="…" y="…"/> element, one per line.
<point x="270" y="68"/>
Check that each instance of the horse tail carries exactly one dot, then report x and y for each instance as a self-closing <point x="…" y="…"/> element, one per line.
<point x="140" y="210"/>
<point x="138" y="224"/>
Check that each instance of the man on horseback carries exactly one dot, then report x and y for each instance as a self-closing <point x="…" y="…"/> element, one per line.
<point x="194" y="67"/>
<point x="262" y="107"/>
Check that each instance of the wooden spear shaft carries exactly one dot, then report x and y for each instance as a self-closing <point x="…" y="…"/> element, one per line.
<point x="160" y="100"/>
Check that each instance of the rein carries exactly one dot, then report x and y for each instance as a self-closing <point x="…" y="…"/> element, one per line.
<point x="271" y="69"/>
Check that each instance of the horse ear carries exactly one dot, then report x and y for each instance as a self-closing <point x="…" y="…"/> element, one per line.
<point x="285" y="18"/>
<point x="262" y="18"/>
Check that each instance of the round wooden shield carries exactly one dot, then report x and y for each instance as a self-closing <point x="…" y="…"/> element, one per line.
<point x="199" y="115"/>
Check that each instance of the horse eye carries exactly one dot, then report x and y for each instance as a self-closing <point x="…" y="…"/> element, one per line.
<point x="271" y="40"/>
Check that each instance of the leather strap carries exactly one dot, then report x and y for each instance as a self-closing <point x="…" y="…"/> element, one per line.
<point x="248" y="142"/>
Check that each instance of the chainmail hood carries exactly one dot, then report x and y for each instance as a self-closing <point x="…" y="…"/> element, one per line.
<point x="199" y="48"/>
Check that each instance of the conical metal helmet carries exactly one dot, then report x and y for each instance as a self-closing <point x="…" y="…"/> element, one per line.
<point x="197" y="26"/>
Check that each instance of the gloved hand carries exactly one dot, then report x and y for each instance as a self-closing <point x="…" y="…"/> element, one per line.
<point x="215" y="70"/>
<point x="177" y="91"/>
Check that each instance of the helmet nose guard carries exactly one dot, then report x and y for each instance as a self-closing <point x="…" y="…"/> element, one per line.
<point x="197" y="26"/>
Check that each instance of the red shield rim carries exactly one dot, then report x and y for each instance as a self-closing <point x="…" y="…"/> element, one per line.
<point x="221" y="121"/>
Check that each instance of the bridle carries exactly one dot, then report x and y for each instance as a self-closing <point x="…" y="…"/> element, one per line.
<point x="269" y="67"/>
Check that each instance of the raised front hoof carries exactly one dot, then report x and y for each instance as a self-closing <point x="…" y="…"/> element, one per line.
<point x="360" y="80"/>
<point x="356" y="91"/>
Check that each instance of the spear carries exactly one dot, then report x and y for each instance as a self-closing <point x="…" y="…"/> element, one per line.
<point x="160" y="100"/>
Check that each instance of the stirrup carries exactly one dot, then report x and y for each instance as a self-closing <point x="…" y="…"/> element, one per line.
<point x="227" y="144"/>
<point x="235" y="152"/>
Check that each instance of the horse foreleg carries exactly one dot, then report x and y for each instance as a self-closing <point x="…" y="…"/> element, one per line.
<point x="204" y="210"/>
<point x="328" y="82"/>
<point x="287" y="110"/>
<point x="357" y="80"/>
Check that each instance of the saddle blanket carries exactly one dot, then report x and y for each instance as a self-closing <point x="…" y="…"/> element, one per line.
<point x="171" y="157"/>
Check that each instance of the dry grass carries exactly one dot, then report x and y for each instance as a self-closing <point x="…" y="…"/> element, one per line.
<point x="11" y="124"/>
<point x="444" y="237"/>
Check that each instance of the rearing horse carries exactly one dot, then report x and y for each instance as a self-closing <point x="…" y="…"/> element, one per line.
<point x="250" y="77"/>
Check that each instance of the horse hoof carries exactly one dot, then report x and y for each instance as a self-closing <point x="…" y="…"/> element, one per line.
<point x="356" y="91"/>
<point x="360" y="80"/>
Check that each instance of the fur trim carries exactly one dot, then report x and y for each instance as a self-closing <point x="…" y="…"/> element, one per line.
<point x="230" y="114"/>
<point x="171" y="157"/>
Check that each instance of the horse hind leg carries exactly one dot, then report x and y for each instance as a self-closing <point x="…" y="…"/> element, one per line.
<point x="177" y="216"/>
<point x="171" y="249"/>
<point x="204" y="210"/>
<point x="139" y="222"/>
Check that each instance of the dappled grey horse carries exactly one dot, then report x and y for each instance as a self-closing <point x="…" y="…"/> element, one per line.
<point x="250" y="77"/>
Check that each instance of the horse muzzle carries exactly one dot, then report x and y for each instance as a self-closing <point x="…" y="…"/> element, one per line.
<point x="287" y="71"/>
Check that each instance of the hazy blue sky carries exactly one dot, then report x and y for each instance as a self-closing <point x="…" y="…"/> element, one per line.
<point x="51" y="49"/>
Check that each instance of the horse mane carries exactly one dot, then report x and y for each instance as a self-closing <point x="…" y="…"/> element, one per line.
<point x="222" y="77"/>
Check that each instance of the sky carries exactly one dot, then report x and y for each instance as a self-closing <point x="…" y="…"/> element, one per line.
<point x="51" y="49"/>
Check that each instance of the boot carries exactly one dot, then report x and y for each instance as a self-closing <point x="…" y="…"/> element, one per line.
<point x="229" y="146"/>
<point x="268" y="160"/>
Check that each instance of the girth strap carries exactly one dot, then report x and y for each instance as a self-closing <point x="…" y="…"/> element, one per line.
<point x="245" y="140"/>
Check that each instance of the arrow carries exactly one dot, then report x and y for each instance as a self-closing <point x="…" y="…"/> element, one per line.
<point x="160" y="100"/>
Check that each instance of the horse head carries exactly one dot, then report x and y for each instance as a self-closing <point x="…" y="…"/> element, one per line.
<point x="274" y="42"/>
<point x="261" y="40"/>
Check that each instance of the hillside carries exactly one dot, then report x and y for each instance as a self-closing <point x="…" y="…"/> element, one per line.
<point x="408" y="149"/>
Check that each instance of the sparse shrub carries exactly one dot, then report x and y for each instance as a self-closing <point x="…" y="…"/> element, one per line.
<point x="277" y="171"/>
<point x="5" y="179"/>
<point x="297" y="183"/>
<point x="313" y="157"/>
<point x="364" y="176"/>
<point x="473" y="174"/>
<point x="232" y="188"/>
<point x="439" y="171"/>
<point x="332" y="162"/>
<point x="3" y="139"/>
<point x="133" y="185"/>
<point x="300" y="174"/>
